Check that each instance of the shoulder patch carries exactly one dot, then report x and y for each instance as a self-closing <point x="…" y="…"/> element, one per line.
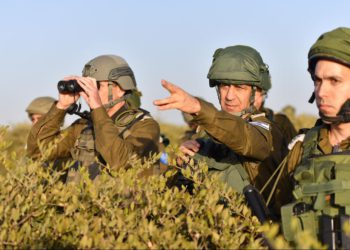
<point x="257" y="115"/>
<point x="263" y="125"/>
<point x="297" y="138"/>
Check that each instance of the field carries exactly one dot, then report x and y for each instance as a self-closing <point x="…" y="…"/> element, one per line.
<point x="119" y="210"/>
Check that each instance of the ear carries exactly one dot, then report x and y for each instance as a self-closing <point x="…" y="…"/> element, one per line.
<point x="259" y="98"/>
<point x="118" y="91"/>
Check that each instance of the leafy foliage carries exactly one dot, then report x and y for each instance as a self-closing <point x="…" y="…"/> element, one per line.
<point x="119" y="210"/>
<point x="38" y="210"/>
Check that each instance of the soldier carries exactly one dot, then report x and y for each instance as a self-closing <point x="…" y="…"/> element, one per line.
<point x="113" y="132"/>
<point x="281" y="120"/>
<point x="38" y="107"/>
<point x="241" y="148"/>
<point x="320" y="158"/>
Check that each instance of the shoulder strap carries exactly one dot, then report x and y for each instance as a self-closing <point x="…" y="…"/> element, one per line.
<point x="128" y="118"/>
<point x="310" y="142"/>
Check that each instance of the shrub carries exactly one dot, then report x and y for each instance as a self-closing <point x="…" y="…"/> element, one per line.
<point x="119" y="210"/>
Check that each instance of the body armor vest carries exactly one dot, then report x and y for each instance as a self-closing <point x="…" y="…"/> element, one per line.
<point x="84" y="152"/>
<point x="233" y="169"/>
<point x="227" y="164"/>
<point x="322" y="194"/>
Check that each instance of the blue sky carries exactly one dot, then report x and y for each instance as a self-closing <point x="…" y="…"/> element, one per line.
<point x="44" y="41"/>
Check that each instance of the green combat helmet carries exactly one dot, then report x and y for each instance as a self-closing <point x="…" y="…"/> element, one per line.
<point x="115" y="70"/>
<point x="240" y="65"/>
<point x="40" y="105"/>
<point x="334" y="46"/>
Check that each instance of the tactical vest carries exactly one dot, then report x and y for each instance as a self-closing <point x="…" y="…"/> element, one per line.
<point x="84" y="152"/>
<point x="322" y="192"/>
<point x="232" y="168"/>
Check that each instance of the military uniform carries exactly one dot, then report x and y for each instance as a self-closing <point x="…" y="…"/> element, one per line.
<point x="321" y="170"/>
<point x="243" y="147"/>
<point x="110" y="144"/>
<point x="100" y="138"/>
<point x="321" y="173"/>
<point x="251" y="151"/>
<point x="282" y="121"/>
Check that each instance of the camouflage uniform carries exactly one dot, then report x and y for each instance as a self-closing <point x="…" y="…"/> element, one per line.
<point x="321" y="171"/>
<point x="128" y="133"/>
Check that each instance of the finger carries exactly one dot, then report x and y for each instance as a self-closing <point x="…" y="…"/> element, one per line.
<point x="172" y="88"/>
<point x="83" y="85"/>
<point x="193" y="148"/>
<point x="163" y="101"/>
<point x="183" y="159"/>
<point x="193" y="143"/>
<point x="90" y="81"/>
<point x="186" y="151"/>
<point x="167" y="106"/>
<point x="72" y="77"/>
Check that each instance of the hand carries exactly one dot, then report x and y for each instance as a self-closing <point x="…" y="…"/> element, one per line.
<point x="67" y="99"/>
<point x="188" y="148"/>
<point x="178" y="99"/>
<point x="90" y="94"/>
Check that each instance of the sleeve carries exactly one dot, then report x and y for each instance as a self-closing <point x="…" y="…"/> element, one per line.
<point x="46" y="134"/>
<point x="250" y="140"/>
<point x="294" y="156"/>
<point x="116" y="151"/>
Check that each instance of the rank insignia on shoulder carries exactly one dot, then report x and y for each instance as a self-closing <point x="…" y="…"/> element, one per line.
<point x="263" y="125"/>
<point x="297" y="138"/>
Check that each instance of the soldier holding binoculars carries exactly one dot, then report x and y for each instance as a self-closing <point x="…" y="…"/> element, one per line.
<point x="114" y="131"/>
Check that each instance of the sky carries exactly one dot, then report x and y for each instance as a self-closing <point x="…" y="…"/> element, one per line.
<point x="43" y="41"/>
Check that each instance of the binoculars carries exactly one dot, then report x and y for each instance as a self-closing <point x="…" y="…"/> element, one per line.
<point x="70" y="86"/>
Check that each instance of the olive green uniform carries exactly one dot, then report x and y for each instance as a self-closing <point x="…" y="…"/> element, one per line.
<point x="323" y="144"/>
<point x="321" y="171"/>
<point x="282" y="121"/>
<point x="321" y="193"/>
<point x="254" y="142"/>
<point x="115" y="149"/>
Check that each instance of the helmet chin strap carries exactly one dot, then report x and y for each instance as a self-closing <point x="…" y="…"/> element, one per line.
<point x="248" y="110"/>
<point x="111" y="103"/>
<point x="343" y="115"/>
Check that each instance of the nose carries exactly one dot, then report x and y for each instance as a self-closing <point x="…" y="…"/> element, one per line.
<point x="321" y="90"/>
<point x="230" y="93"/>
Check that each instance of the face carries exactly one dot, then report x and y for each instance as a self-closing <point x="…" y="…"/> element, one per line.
<point x="234" y="98"/>
<point x="259" y="98"/>
<point x="103" y="92"/>
<point x="332" y="86"/>
<point x="35" y="118"/>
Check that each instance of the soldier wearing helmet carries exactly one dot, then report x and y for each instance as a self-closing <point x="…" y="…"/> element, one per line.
<point x="240" y="146"/>
<point x="39" y="107"/>
<point x="320" y="159"/>
<point x="280" y="119"/>
<point x="114" y="131"/>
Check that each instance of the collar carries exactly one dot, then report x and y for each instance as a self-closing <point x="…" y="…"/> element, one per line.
<point x="119" y="111"/>
<point x="324" y="143"/>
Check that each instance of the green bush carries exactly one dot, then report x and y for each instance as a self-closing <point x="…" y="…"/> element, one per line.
<point x="119" y="210"/>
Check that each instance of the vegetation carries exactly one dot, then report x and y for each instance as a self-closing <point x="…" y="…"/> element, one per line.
<point x="38" y="210"/>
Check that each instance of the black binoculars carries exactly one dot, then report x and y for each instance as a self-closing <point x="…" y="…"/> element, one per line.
<point x="70" y="86"/>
